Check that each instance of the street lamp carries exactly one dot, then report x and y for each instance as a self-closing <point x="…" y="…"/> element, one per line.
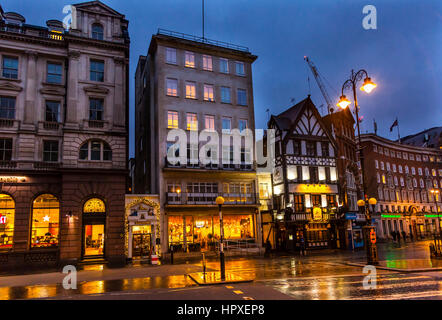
<point x="343" y="103"/>
<point x="436" y="192"/>
<point x="220" y="201"/>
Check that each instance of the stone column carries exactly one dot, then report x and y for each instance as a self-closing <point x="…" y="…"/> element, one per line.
<point x="31" y="89"/>
<point x="72" y="90"/>
<point x="118" y="114"/>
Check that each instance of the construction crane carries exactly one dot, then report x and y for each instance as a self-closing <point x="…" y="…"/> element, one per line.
<point x="320" y="84"/>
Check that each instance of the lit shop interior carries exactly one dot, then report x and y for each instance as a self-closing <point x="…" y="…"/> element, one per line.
<point x="201" y="233"/>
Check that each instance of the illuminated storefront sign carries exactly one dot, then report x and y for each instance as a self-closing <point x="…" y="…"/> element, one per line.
<point x="433" y="216"/>
<point x="11" y="179"/>
<point x="391" y="216"/>
<point x="2" y="219"/>
<point x="317" y="213"/>
<point x="313" y="188"/>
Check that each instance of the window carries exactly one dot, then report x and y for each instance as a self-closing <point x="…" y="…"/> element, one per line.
<point x="375" y="148"/>
<point x="54" y="73"/>
<point x="311" y="148"/>
<point x="400" y="168"/>
<point x="241" y="97"/>
<point x="298" y="203"/>
<point x="378" y="178"/>
<point x="296" y="147"/>
<point x="172" y="119"/>
<point x="394" y="167"/>
<point x="411" y="156"/>
<point x="50" y="151"/>
<point x="192" y="121"/>
<point x="419" y="170"/>
<point x="94" y="205"/>
<point x="5" y="149"/>
<point x="10" y="68"/>
<point x="7" y="107"/>
<point x="395" y="181"/>
<point x="223" y="65"/>
<point x="45" y="221"/>
<point x="384" y="181"/>
<point x="97" y="31"/>
<point x="421" y="182"/>
<point x="402" y="182"/>
<point x="382" y="165"/>
<point x="95" y="150"/>
<point x="376" y="164"/>
<point x="433" y="172"/>
<point x="227" y="125"/>
<point x="242" y="125"/>
<point x="171" y="55"/>
<point x="172" y="87"/>
<point x="392" y="153"/>
<point x="189" y="59"/>
<point x="239" y="68"/>
<point x="209" y="122"/>
<point x="207" y="63"/>
<point x="264" y="190"/>
<point x="52" y="109"/>
<point x="406" y="170"/>
<point x="413" y="171"/>
<point x="96" y="109"/>
<point x="190" y="90"/>
<point x="405" y="155"/>
<point x="324" y="149"/>
<point x="388" y="166"/>
<point x="7" y="213"/>
<point x="208" y="93"/>
<point x="225" y="95"/>
<point x="97" y="70"/>
<point x="414" y="182"/>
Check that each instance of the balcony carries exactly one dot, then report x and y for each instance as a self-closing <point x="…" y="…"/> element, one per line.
<point x="48" y="125"/>
<point x="188" y="198"/>
<point x="6" y="123"/>
<point x="43" y="165"/>
<point x="8" y="164"/>
<point x="30" y="30"/>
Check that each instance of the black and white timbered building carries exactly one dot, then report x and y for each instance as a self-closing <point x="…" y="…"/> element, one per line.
<point x="305" y="184"/>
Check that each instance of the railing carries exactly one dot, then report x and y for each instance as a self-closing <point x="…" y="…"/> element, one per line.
<point x="49" y="125"/>
<point x="193" y="198"/>
<point x="184" y="36"/>
<point x="46" y="165"/>
<point x="32" y="30"/>
<point x="6" y="123"/>
<point x="8" y="164"/>
<point x="96" y="124"/>
<point x="212" y="166"/>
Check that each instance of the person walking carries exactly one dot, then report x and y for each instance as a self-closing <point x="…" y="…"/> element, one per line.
<point x="393" y="235"/>
<point x="398" y="237"/>
<point x="404" y="235"/>
<point x="302" y="246"/>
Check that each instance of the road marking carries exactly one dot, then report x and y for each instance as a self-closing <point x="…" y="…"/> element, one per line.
<point x="238" y="291"/>
<point x="229" y="287"/>
<point x="248" y="298"/>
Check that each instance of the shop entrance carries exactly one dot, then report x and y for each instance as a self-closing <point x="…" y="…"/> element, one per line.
<point x="93" y="240"/>
<point x="141" y="241"/>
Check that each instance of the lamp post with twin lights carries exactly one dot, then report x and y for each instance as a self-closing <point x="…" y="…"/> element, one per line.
<point x="368" y="86"/>
<point x="220" y="201"/>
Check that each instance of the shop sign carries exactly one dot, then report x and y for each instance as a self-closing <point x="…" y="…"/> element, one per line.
<point x="2" y="219"/>
<point x="350" y="216"/>
<point x="313" y="188"/>
<point x="317" y="213"/>
<point x="11" y="179"/>
<point x="373" y="236"/>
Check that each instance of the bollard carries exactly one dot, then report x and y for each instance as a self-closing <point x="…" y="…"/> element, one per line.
<point x="171" y="254"/>
<point x="204" y="264"/>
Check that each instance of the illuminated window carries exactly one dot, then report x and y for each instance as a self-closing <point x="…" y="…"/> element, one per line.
<point x="192" y="121"/>
<point x="207" y="63"/>
<point x="264" y="190"/>
<point x="97" y="71"/>
<point x="94" y="205"/>
<point x="96" y="150"/>
<point x="172" y="87"/>
<point x="50" y="151"/>
<point x="209" y="122"/>
<point x="172" y="119"/>
<point x="189" y="59"/>
<point x="45" y="221"/>
<point x="54" y="73"/>
<point x="97" y="31"/>
<point x="171" y="55"/>
<point x="7" y="213"/>
<point x="5" y="149"/>
<point x="225" y="95"/>
<point x="384" y="181"/>
<point x="223" y="65"/>
<point x="402" y="181"/>
<point x="10" y="68"/>
<point x="190" y="90"/>
<point x="208" y="93"/>
<point x="241" y="97"/>
<point x="7" y="107"/>
<point x="239" y="68"/>
<point x="433" y="172"/>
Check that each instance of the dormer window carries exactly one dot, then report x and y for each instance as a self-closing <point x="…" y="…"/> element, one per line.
<point x="97" y="31"/>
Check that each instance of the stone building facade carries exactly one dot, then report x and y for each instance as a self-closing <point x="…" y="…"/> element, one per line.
<point x="402" y="177"/>
<point x="63" y="137"/>
<point x="195" y="84"/>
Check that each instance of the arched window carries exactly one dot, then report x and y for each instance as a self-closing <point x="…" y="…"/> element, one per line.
<point x="97" y="31"/>
<point x="95" y="150"/>
<point x="45" y="221"/>
<point x="7" y="213"/>
<point x="94" y="205"/>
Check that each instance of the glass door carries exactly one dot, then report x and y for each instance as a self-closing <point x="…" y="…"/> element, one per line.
<point x="93" y="240"/>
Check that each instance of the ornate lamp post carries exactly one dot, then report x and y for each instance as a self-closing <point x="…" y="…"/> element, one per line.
<point x="436" y="192"/>
<point x="343" y="103"/>
<point x="220" y="201"/>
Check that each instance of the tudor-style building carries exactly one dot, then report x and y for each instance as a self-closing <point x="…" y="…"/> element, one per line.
<point x="305" y="181"/>
<point x="63" y="138"/>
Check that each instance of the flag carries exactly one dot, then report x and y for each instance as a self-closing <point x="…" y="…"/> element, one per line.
<point x="395" y="123"/>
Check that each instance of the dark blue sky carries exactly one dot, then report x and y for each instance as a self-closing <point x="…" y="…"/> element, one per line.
<point x="403" y="56"/>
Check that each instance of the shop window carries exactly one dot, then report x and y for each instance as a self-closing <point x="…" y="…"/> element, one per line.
<point x="45" y="221"/>
<point x="95" y="150"/>
<point x="264" y="190"/>
<point x="7" y="213"/>
<point x="235" y="227"/>
<point x="94" y="205"/>
<point x="176" y="230"/>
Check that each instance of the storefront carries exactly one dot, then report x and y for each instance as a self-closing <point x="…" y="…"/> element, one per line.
<point x="201" y="232"/>
<point x="142" y="225"/>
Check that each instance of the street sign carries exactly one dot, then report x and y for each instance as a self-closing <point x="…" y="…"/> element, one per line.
<point x="373" y="236"/>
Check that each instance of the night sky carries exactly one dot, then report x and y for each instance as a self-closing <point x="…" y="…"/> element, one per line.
<point x="403" y="56"/>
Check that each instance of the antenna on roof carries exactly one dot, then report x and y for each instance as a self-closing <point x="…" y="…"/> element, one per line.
<point x="203" y="18"/>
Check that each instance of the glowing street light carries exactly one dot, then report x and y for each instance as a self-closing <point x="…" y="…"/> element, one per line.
<point x="343" y="102"/>
<point x="368" y="85"/>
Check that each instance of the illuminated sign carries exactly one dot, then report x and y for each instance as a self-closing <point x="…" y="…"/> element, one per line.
<point x="391" y="216"/>
<point x="317" y="213"/>
<point x="313" y="188"/>
<point x="199" y="224"/>
<point x="11" y="179"/>
<point x="433" y="216"/>
<point x="373" y="236"/>
<point x="2" y="219"/>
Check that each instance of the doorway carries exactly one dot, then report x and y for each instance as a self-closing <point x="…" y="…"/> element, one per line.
<point x="141" y="241"/>
<point x="93" y="240"/>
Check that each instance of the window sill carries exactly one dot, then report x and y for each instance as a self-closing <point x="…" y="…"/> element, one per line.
<point x="53" y="84"/>
<point x="172" y="96"/>
<point x="94" y="161"/>
<point x="229" y="103"/>
<point x="10" y="79"/>
<point x="212" y="101"/>
<point x="190" y="98"/>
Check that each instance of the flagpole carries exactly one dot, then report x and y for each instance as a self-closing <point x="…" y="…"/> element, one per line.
<point x="398" y="134"/>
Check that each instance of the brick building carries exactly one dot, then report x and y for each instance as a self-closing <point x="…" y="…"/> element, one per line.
<point x="63" y="138"/>
<point x="401" y="177"/>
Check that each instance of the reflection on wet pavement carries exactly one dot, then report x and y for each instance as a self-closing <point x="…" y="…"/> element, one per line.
<point x="95" y="287"/>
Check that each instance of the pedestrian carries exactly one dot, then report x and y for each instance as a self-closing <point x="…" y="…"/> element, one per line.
<point x="302" y="246"/>
<point x="398" y="237"/>
<point x="393" y="235"/>
<point x="404" y="235"/>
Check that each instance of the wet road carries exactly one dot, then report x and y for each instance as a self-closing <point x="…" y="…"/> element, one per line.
<point x="317" y="276"/>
